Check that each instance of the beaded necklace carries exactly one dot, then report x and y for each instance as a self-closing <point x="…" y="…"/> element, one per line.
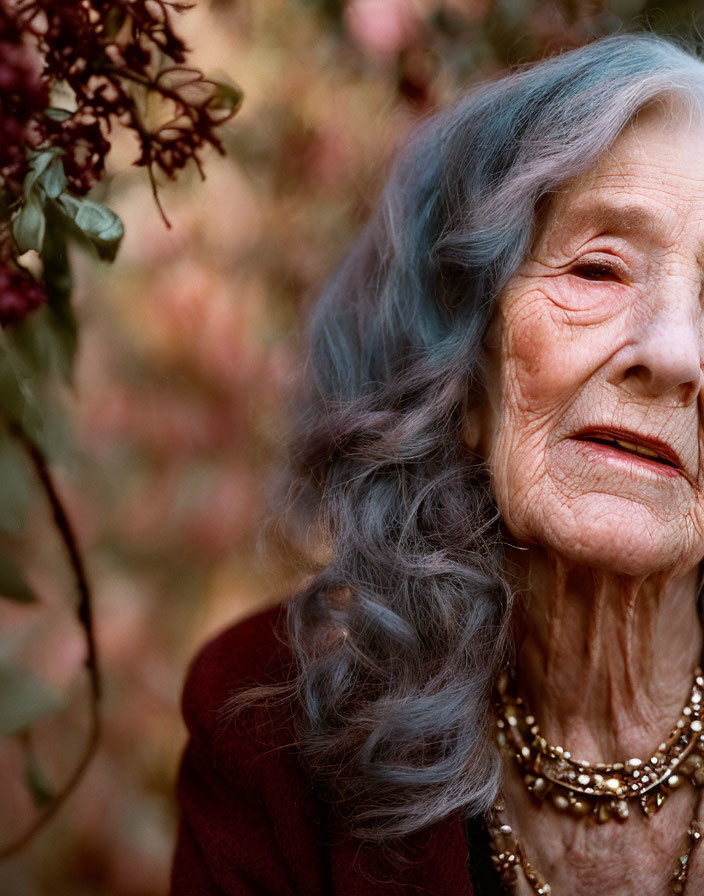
<point x="602" y="791"/>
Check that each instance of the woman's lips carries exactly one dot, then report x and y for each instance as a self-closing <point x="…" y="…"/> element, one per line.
<point x="633" y="448"/>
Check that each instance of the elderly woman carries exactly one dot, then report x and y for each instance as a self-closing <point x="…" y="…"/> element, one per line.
<point x="490" y="683"/>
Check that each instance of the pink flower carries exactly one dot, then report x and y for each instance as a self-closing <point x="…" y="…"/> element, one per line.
<point x="382" y="27"/>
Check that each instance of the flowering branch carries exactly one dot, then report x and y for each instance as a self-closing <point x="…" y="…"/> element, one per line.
<point x="113" y="62"/>
<point x="109" y="56"/>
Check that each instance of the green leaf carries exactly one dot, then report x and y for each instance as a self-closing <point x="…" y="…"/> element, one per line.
<point x="57" y="267"/>
<point x="40" y="788"/>
<point x="12" y="583"/>
<point x="69" y="205"/>
<point x="16" y="394"/>
<point x="42" y="346"/>
<point x="46" y="341"/>
<point x="64" y="329"/>
<point x="53" y="180"/>
<point x="60" y="317"/>
<point x="56" y="114"/>
<point x="15" y="487"/>
<point x="29" y="226"/>
<point x="113" y="21"/>
<point x="38" y="164"/>
<point x="24" y="699"/>
<point x="226" y="96"/>
<point x="32" y="340"/>
<point x="97" y="223"/>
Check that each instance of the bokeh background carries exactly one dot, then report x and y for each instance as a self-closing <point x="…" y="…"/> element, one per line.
<point x="190" y="343"/>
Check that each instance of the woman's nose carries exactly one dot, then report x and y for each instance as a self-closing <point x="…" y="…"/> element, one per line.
<point x="666" y="360"/>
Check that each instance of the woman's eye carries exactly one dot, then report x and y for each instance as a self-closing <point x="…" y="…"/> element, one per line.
<point x="596" y="270"/>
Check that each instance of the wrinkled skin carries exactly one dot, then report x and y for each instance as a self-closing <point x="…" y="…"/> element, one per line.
<point x="606" y="327"/>
<point x="603" y="325"/>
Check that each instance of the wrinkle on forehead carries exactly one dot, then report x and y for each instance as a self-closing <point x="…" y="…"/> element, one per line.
<point x="607" y="213"/>
<point x="639" y="189"/>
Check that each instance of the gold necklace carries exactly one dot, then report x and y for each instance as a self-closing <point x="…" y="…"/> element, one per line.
<point x="508" y="853"/>
<point x="603" y="790"/>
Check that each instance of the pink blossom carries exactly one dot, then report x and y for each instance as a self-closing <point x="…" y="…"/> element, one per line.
<point x="382" y="27"/>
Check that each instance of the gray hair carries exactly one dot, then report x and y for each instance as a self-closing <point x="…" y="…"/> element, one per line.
<point x="400" y="635"/>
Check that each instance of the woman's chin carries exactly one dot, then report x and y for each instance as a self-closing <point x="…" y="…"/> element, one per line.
<point x="627" y="557"/>
<point x="628" y="540"/>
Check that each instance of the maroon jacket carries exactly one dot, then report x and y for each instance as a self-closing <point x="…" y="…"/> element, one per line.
<point x="251" y="822"/>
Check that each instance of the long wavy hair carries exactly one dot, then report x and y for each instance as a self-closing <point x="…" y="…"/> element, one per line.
<point x="400" y="634"/>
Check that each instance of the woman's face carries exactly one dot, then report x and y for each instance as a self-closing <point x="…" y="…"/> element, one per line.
<point x="593" y="425"/>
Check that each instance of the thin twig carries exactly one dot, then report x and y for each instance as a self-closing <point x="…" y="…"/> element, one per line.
<point x="84" y="613"/>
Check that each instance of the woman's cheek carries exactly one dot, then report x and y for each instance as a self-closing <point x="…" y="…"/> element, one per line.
<point x="556" y="333"/>
<point x="541" y="357"/>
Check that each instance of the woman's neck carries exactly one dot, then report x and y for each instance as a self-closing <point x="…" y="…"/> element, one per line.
<point x="604" y="662"/>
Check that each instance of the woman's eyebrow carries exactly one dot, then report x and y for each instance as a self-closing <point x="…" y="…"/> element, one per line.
<point x="631" y="219"/>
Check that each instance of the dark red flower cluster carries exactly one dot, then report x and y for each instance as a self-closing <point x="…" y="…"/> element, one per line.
<point x="110" y="53"/>
<point x="107" y="56"/>
<point x="19" y="294"/>
<point x="23" y="97"/>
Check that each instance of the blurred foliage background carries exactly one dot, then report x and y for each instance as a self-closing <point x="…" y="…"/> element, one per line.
<point x="189" y="343"/>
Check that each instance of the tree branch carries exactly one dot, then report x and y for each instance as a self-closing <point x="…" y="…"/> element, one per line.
<point x="84" y="613"/>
